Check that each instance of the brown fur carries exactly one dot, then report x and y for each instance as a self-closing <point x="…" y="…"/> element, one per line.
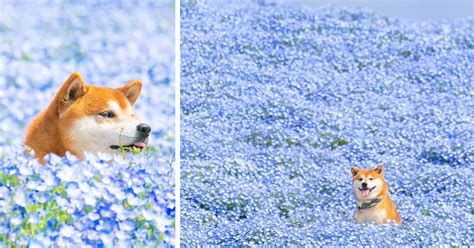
<point x="47" y="133"/>
<point x="386" y="204"/>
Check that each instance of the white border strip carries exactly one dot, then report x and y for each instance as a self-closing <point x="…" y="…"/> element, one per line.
<point x="177" y="113"/>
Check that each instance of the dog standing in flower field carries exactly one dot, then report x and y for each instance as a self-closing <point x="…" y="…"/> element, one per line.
<point x="371" y="193"/>
<point x="88" y="118"/>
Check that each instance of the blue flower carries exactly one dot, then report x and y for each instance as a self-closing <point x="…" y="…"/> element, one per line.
<point x="127" y="226"/>
<point x="76" y="202"/>
<point x="67" y="231"/>
<point x="278" y="102"/>
<point x="68" y="174"/>
<point x="19" y="197"/>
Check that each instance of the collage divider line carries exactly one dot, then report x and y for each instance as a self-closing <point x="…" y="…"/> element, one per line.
<point x="177" y="123"/>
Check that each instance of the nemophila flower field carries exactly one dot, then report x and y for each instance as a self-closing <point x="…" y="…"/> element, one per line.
<point x="278" y="103"/>
<point x="92" y="203"/>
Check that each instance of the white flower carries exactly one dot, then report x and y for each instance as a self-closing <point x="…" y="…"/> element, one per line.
<point x="20" y="198"/>
<point x="67" y="231"/>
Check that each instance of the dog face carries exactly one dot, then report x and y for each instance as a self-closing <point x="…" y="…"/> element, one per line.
<point x="367" y="184"/>
<point x="100" y="119"/>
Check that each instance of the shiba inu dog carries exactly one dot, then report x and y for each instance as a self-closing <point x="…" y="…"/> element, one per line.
<point x="371" y="193"/>
<point x="88" y="118"/>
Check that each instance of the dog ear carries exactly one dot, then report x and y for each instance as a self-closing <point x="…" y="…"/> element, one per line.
<point x="354" y="171"/>
<point x="132" y="90"/>
<point x="379" y="169"/>
<point x="71" y="90"/>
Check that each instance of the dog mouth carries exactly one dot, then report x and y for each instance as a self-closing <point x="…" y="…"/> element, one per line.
<point x="366" y="191"/>
<point x="136" y="145"/>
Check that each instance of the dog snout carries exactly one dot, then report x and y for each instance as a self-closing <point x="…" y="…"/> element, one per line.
<point x="144" y="130"/>
<point x="364" y="185"/>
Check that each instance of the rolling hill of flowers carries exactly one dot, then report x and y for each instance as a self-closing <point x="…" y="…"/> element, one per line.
<point x="278" y="103"/>
<point x="92" y="203"/>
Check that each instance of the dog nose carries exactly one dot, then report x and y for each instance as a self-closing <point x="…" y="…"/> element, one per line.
<point x="144" y="129"/>
<point x="364" y="184"/>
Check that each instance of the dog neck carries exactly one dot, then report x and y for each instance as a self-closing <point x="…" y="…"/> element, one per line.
<point x="43" y="134"/>
<point x="369" y="203"/>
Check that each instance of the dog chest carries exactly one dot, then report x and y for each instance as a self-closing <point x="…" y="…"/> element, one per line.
<point x="370" y="215"/>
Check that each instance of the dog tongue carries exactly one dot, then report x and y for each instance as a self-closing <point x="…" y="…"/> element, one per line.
<point x="365" y="193"/>
<point x="139" y="144"/>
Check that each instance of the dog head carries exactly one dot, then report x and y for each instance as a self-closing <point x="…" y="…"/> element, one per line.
<point x="368" y="184"/>
<point x="99" y="119"/>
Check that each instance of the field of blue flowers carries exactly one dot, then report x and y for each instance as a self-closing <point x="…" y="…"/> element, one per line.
<point x="278" y="103"/>
<point x="91" y="203"/>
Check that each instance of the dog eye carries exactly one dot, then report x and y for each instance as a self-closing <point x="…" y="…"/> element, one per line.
<point x="371" y="179"/>
<point x="360" y="179"/>
<point x="107" y="114"/>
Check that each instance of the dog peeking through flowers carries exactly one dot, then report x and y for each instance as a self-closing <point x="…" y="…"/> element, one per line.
<point x="88" y="118"/>
<point x="371" y="193"/>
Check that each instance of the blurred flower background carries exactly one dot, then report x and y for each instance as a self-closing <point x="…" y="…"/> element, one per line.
<point x="278" y="102"/>
<point x="86" y="203"/>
